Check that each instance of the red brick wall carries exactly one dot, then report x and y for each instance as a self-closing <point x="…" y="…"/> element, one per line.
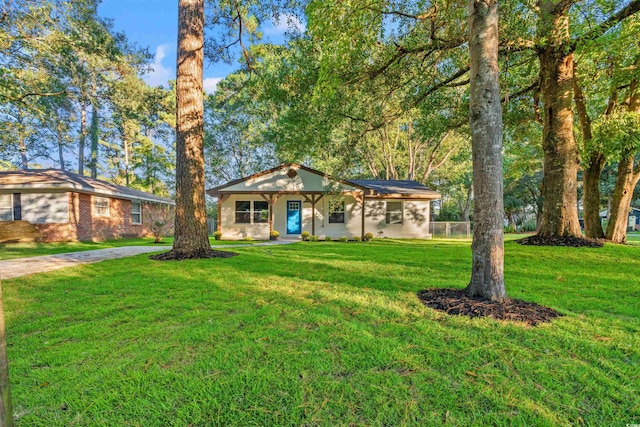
<point x="84" y="225"/>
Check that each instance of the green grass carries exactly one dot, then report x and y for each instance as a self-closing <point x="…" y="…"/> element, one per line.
<point x="633" y="238"/>
<point x="21" y="250"/>
<point x="325" y="334"/>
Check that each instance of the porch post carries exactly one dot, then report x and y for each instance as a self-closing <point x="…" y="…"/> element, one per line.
<point x="315" y="198"/>
<point x="221" y="199"/>
<point x="270" y="199"/>
<point x="363" y="201"/>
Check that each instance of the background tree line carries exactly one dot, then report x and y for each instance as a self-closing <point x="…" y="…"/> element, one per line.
<point x="71" y="97"/>
<point x="380" y="89"/>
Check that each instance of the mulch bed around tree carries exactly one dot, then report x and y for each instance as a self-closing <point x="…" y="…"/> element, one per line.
<point x="574" y="242"/>
<point x="457" y="302"/>
<point x="171" y="256"/>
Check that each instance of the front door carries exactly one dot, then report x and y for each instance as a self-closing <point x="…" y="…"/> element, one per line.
<point x="294" y="217"/>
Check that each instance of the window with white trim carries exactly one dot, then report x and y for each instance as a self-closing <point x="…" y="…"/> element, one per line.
<point x="136" y="212"/>
<point x="394" y="213"/>
<point x="336" y="212"/>
<point x="260" y="212"/>
<point x="6" y="207"/>
<point x="243" y="212"/>
<point x="101" y="206"/>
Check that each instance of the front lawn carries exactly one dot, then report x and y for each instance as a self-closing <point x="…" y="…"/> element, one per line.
<point x="325" y="334"/>
<point x="21" y="250"/>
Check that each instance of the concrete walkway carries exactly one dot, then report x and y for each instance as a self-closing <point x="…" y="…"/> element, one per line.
<point x="12" y="268"/>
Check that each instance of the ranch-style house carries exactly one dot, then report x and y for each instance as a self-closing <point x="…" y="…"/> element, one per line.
<point x="292" y="198"/>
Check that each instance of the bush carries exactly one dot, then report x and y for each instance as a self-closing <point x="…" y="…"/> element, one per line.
<point x="305" y="236"/>
<point x="274" y="235"/>
<point x="247" y="238"/>
<point x="313" y="238"/>
<point x="217" y="235"/>
<point x="357" y="239"/>
<point x="510" y="228"/>
<point x="327" y="238"/>
<point x="343" y="239"/>
<point x="529" y="226"/>
<point x="368" y="237"/>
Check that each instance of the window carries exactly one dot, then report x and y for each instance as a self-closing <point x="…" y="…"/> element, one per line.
<point x="136" y="213"/>
<point x="6" y="207"/>
<point x="260" y="212"/>
<point x="394" y="213"/>
<point x="243" y="212"/>
<point x="100" y="206"/>
<point x="336" y="212"/>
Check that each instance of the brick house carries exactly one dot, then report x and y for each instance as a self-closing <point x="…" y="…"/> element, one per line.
<point x="65" y="206"/>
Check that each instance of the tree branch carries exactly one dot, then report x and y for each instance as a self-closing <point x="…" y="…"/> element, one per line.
<point x="632" y="8"/>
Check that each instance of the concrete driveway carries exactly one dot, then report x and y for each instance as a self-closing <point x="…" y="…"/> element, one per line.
<point x="12" y="268"/>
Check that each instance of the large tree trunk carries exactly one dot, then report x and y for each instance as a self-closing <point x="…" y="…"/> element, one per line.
<point x="559" y="182"/>
<point x="191" y="235"/>
<point x="95" y="138"/>
<point x="626" y="182"/>
<point x="592" y="170"/>
<point x="83" y="136"/>
<point x="61" y="148"/>
<point x="6" y="410"/>
<point x="485" y="120"/>
<point x="592" y="222"/>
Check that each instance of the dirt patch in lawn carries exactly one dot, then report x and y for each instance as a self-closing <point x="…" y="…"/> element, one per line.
<point x="457" y="302"/>
<point x="574" y="242"/>
<point x="176" y="256"/>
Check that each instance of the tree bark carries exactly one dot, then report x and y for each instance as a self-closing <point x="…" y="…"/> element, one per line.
<point x="561" y="160"/>
<point x="485" y="120"/>
<point x="626" y="182"/>
<point x="592" y="170"/>
<point x="61" y="148"/>
<point x="83" y="136"/>
<point x="191" y="235"/>
<point x="95" y="137"/>
<point x="6" y="409"/>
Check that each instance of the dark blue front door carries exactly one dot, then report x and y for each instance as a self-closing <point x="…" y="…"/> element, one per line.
<point x="294" y="217"/>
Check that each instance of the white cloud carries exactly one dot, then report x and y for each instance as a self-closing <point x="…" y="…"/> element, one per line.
<point x="284" y="23"/>
<point x="159" y="74"/>
<point x="210" y="84"/>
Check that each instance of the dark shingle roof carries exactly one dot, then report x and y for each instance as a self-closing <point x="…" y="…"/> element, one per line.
<point x="400" y="187"/>
<point x="55" y="179"/>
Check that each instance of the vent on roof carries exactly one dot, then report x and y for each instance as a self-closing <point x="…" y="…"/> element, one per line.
<point x="291" y="173"/>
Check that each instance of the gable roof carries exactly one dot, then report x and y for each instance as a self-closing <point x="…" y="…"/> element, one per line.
<point x="370" y="187"/>
<point x="59" y="180"/>
<point x="221" y="188"/>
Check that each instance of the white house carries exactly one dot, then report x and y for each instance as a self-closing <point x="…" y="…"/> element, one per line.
<point x="293" y="198"/>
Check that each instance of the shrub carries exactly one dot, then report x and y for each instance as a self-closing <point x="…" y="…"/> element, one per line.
<point x="305" y="236"/>
<point x="510" y="229"/>
<point x="327" y="238"/>
<point x="217" y="235"/>
<point x="357" y="239"/>
<point x="274" y="235"/>
<point x="247" y="238"/>
<point x="368" y="237"/>
<point x="529" y="226"/>
<point x="343" y="239"/>
<point x="313" y="238"/>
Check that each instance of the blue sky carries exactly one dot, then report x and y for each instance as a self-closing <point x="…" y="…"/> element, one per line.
<point x="154" y="24"/>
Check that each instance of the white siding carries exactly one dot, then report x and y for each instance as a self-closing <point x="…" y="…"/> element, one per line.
<point x="45" y="208"/>
<point x="415" y="222"/>
<point x="231" y="230"/>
